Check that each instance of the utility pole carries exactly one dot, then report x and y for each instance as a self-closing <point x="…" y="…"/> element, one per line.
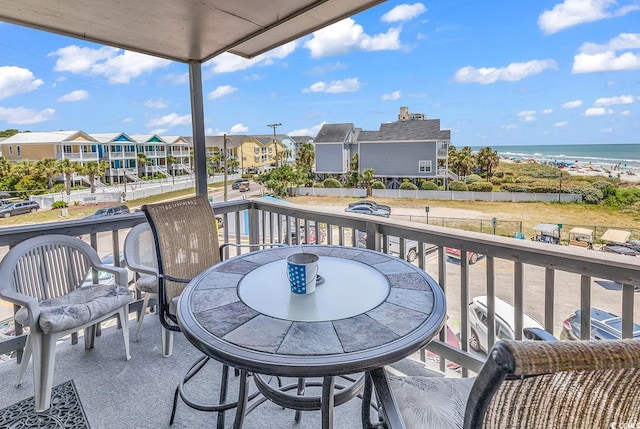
<point x="275" y="142"/>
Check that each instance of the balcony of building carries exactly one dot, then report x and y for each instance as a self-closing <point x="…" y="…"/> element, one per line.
<point x="548" y="282"/>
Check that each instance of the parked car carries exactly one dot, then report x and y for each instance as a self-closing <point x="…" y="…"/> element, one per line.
<point x="244" y="187"/>
<point x="21" y="207"/>
<point x="110" y="211"/>
<point x="371" y="204"/>
<point x="410" y="248"/>
<point x="368" y="210"/>
<point x="604" y="326"/>
<point x="505" y="317"/>
<point x="237" y="183"/>
<point x="455" y="254"/>
<point x="312" y="233"/>
<point x="104" y="277"/>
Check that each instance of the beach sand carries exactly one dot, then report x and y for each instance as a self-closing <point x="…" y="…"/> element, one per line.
<point x="587" y="169"/>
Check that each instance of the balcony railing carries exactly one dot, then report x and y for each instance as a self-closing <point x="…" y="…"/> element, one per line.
<point x="534" y="275"/>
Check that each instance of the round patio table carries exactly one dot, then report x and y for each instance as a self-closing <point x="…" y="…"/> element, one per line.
<point x="370" y="309"/>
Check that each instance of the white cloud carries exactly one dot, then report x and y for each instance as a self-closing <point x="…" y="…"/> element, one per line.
<point x="606" y="130"/>
<point x="22" y="116"/>
<point x="574" y="12"/>
<point x="116" y="65"/>
<point x="613" y="101"/>
<point x="546" y="111"/>
<point x="156" y="104"/>
<point x="596" y="58"/>
<point x="328" y="68"/>
<point x="509" y="126"/>
<point x="159" y="131"/>
<point x="346" y="35"/>
<point x="597" y="111"/>
<point x="335" y="86"/>
<point x="527" y="115"/>
<point x="404" y="12"/>
<point x="77" y="95"/>
<point x="238" y="128"/>
<point x="127" y="120"/>
<point x="17" y="80"/>
<point x="626" y="113"/>
<point x="227" y="63"/>
<point x="572" y="104"/>
<point x="170" y="120"/>
<point x="512" y="72"/>
<point x="395" y="95"/>
<point x="561" y="124"/>
<point x="311" y="131"/>
<point x="221" y="91"/>
<point x="176" y="78"/>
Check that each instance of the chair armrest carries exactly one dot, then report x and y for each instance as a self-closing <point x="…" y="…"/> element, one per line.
<point x="250" y="246"/>
<point x="29" y="302"/>
<point x="119" y="273"/>
<point x="538" y="334"/>
<point x="173" y="279"/>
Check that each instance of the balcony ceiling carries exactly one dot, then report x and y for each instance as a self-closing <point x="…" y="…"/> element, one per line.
<point x="183" y="30"/>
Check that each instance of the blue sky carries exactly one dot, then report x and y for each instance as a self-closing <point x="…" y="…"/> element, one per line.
<point x="496" y="72"/>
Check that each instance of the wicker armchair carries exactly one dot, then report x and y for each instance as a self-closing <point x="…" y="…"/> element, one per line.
<point x="528" y="384"/>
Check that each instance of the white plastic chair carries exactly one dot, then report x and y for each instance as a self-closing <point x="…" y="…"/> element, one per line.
<point x="45" y="276"/>
<point x="140" y="257"/>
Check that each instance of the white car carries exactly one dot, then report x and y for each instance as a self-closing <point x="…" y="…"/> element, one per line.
<point x="479" y="333"/>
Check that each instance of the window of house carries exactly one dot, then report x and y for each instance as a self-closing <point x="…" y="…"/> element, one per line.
<point x="256" y="159"/>
<point x="67" y="149"/>
<point x="424" y="166"/>
<point x="18" y="150"/>
<point x="256" y="149"/>
<point x="10" y="150"/>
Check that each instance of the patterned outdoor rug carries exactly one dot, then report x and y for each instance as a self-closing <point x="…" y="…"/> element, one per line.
<point x="66" y="412"/>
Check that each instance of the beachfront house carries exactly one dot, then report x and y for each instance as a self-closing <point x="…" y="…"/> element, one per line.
<point x="180" y="148"/>
<point x="119" y="150"/>
<point x="412" y="147"/>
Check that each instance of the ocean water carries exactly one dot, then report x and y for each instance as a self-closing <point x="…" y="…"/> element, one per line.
<point x="598" y="154"/>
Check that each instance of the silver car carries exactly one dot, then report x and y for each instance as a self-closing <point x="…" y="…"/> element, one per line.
<point x="19" y="208"/>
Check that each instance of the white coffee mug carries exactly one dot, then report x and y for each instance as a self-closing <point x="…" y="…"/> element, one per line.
<point x="302" y="270"/>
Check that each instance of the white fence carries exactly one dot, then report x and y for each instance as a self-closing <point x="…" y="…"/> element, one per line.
<point x="516" y="197"/>
<point x="120" y="193"/>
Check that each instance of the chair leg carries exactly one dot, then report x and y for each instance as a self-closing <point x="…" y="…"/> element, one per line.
<point x="145" y="305"/>
<point x="167" y="342"/>
<point x="89" y="337"/>
<point x="124" y="321"/>
<point x="44" y="358"/>
<point x="26" y="355"/>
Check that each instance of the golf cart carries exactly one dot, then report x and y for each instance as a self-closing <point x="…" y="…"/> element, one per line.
<point x="581" y="237"/>
<point x="547" y="233"/>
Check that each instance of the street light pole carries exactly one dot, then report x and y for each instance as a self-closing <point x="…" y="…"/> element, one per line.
<point x="275" y="142"/>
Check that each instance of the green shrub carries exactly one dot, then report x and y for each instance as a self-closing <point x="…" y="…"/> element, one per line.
<point x="592" y="196"/>
<point x="496" y="180"/>
<point x="318" y="185"/>
<point x="473" y="178"/>
<point x="378" y="185"/>
<point x="514" y="187"/>
<point x="408" y="186"/>
<point x="481" y="187"/>
<point x="457" y="185"/>
<point x="429" y="185"/>
<point x="331" y="183"/>
<point x="59" y="205"/>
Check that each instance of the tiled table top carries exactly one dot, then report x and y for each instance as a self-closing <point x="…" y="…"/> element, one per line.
<point x="217" y="321"/>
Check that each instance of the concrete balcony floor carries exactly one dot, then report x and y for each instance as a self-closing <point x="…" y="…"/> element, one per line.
<point x="116" y="393"/>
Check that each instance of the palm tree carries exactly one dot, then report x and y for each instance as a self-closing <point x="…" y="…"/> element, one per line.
<point x="232" y="163"/>
<point x="462" y="162"/>
<point x="94" y="169"/>
<point x="488" y="159"/>
<point x="48" y="167"/>
<point x="142" y="162"/>
<point x="215" y="159"/>
<point x="368" y="177"/>
<point x="67" y="167"/>
<point x="171" y="161"/>
<point x="305" y="157"/>
<point x="6" y="166"/>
